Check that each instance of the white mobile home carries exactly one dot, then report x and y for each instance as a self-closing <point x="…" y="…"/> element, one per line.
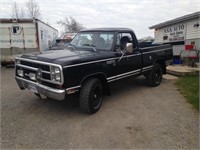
<point x="24" y="36"/>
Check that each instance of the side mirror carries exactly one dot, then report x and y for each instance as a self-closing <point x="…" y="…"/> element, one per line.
<point x="129" y="48"/>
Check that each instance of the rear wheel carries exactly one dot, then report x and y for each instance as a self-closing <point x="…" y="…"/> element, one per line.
<point x="91" y="96"/>
<point x="154" y="78"/>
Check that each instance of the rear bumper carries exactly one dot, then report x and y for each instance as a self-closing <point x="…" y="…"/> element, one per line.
<point x="49" y="92"/>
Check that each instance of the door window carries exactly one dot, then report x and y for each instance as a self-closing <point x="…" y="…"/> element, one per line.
<point x="124" y="38"/>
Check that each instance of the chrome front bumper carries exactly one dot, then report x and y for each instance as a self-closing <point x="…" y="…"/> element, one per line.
<point x="43" y="90"/>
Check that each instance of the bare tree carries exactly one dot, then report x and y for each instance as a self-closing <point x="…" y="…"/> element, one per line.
<point x="33" y="9"/>
<point x="71" y="25"/>
<point x="22" y="13"/>
<point x="16" y="12"/>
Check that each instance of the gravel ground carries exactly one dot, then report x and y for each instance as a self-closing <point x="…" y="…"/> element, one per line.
<point x="134" y="116"/>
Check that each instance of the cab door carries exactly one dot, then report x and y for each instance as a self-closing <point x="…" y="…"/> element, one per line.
<point x="128" y="63"/>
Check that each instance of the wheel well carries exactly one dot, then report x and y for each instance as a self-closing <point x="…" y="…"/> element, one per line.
<point x="163" y="65"/>
<point x="102" y="78"/>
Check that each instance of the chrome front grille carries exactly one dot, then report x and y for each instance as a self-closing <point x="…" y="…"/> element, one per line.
<point x="36" y="65"/>
<point x="32" y="67"/>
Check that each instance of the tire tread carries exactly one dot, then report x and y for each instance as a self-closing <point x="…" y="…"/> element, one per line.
<point x="150" y="75"/>
<point x="85" y="95"/>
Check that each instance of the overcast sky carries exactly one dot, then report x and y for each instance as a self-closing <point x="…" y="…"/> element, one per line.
<point x="135" y="14"/>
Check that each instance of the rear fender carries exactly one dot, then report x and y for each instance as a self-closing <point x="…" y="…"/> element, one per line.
<point x="162" y="63"/>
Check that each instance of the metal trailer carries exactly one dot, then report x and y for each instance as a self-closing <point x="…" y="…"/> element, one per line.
<point x="24" y="36"/>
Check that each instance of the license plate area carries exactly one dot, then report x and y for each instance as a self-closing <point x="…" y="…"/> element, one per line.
<point x="32" y="88"/>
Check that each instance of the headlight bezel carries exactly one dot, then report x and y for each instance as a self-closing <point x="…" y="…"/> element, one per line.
<point x="55" y="72"/>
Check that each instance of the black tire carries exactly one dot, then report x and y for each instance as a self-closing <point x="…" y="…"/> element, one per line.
<point x="154" y="77"/>
<point x="91" y="96"/>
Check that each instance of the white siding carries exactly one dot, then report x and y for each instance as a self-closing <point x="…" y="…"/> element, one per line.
<point x="172" y="33"/>
<point x="4" y="37"/>
<point x="158" y="36"/>
<point x="19" y="38"/>
<point x="192" y="32"/>
<point x="177" y="49"/>
<point x="26" y="38"/>
<point x="46" y="35"/>
<point x="14" y="43"/>
<point x="30" y="41"/>
<point x="30" y="31"/>
<point x="4" y="31"/>
<point x="17" y="41"/>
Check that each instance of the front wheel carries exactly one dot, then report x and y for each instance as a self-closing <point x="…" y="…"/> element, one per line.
<point x="154" y="78"/>
<point x="91" y="96"/>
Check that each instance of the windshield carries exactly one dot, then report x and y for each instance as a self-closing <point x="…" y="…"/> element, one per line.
<point x="93" y="40"/>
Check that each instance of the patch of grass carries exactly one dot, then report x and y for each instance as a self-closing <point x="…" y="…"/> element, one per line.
<point x="189" y="87"/>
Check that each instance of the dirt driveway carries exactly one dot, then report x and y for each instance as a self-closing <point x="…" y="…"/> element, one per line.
<point x="135" y="116"/>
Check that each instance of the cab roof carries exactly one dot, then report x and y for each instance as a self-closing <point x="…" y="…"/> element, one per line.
<point x="107" y="29"/>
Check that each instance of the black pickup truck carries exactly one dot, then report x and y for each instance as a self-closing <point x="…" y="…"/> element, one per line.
<point x="93" y="59"/>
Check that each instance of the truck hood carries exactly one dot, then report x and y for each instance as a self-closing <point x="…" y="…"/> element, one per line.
<point x="68" y="57"/>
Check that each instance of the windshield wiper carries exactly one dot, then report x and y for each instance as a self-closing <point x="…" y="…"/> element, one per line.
<point x="92" y="46"/>
<point x="74" y="47"/>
